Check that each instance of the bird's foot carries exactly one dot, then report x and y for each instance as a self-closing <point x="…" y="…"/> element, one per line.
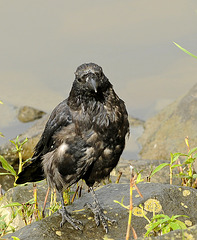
<point x="66" y="217"/>
<point x="99" y="215"/>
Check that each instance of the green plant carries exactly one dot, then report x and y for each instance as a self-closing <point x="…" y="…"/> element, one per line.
<point x="10" y="170"/>
<point x="184" y="50"/>
<point x="133" y="181"/>
<point x="18" y="149"/>
<point x="26" y="210"/>
<point x="162" y="224"/>
<point x="172" y="164"/>
<point x="4" y="226"/>
<point x="186" y="169"/>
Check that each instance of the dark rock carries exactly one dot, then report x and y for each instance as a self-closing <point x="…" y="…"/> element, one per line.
<point x="173" y="199"/>
<point x="28" y="114"/>
<point x="187" y="234"/>
<point x="166" y="132"/>
<point x="145" y="167"/>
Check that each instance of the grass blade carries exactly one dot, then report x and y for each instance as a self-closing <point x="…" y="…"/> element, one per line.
<point x="159" y="168"/>
<point x="184" y="50"/>
<point x="7" y="166"/>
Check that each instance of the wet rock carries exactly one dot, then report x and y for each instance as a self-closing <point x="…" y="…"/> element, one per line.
<point x="166" y="132"/>
<point x="135" y="121"/>
<point x="28" y="114"/>
<point x="145" y="167"/>
<point x="21" y="194"/>
<point x="172" y="200"/>
<point x="33" y="134"/>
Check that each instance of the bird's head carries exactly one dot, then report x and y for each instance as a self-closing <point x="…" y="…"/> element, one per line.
<point x="90" y="79"/>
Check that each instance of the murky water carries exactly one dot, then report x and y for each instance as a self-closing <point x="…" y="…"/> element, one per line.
<point x="43" y="42"/>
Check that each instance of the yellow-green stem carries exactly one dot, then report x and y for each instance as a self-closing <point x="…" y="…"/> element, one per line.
<point x="130" y="209"/>
<point x="20" y="162"/>
<point x="170" y="175"/>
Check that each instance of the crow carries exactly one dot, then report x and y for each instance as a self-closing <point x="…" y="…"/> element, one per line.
<point x="83" y="139"/>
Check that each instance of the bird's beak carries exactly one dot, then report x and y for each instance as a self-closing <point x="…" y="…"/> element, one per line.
<point x="93" y="83"/>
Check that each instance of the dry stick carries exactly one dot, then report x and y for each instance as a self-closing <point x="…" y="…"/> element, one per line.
<point x="132" y="182"/>
<point x="80" y="190"/>
<point x="119" y="176"/>
<point x="45" y="202"/>
<point x="76" y="191"/>
<point x="138" y="190"/>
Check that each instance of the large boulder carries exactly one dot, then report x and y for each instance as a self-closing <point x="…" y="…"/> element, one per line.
<point x="166" y="132"/>
<point x="172" y="200"/>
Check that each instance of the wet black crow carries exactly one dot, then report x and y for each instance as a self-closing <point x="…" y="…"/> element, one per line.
<point x="83" y="139"/>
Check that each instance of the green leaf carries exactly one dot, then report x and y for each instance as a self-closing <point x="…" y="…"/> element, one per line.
<point x="13" y="204"/>
<point x="138" y="180"/>
<point x="176" y="165"/>
<point x="31" y="201"/>
<point x="192" y="151"/>
<point x="158" y="168"/>
<point x="184" y="50"/>
<point x="7" y="166"/>
<point x="194" y="176"/>
<point x="159" y="216"/>
<point x="166" y="229"/>
<point x="174" y="225"/>
<point x="4" y="173"/>
<point x="177" y="216"/>
<point x="175" y="156"/>
<point x="181" y="224"/>
<point x="151" y="227"/>
<point x="27" y="160"/>
<point x="1" y="134"/>
<point x="15" y="238"/>
<point x="189" y="160"/>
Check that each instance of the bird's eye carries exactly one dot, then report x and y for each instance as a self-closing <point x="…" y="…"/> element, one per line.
<point x="99" y="74"/>
<point x="82" y="79"/>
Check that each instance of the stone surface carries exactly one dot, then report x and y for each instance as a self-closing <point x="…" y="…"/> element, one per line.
<point x="173" y="199"/>
<point x="28" y="114"/>
<point x="166" y="132"/>
<point x="145" y="167"/>
<point x="21" y="194"/>
<point x="33" y="134"/>
<point x="187" y="234"/>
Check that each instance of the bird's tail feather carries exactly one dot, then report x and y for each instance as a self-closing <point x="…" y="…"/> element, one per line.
<point x="31" y="173"/>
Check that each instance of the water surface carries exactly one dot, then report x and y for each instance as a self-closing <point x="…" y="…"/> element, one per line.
<point x="43" y="42"/>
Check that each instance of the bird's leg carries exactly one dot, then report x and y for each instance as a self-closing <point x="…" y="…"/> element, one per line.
<point x="99" y="216"/>
<point x="67" y="217"/>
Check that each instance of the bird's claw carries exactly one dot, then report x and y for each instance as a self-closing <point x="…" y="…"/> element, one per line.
<point x="99" y="216"/>
<point x="66" y="217"/>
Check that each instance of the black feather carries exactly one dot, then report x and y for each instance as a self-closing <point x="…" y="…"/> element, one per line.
<point x="84" y="136"/>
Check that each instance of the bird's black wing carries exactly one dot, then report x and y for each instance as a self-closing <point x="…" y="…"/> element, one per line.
<point x="60" y="117"/>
